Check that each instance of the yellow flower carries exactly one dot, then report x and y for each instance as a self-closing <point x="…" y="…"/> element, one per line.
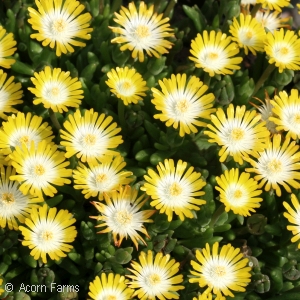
<point x="238" y="192"/>
<point x="122" y="215"/>
<point x="277" y="165"/>
<point x="13" y="204"/>
<point x="274" y="4"/>
<point x="10" y="94"/>
<point x="48" y="231"/>
<point x="221" y="271"/>
<point x="101" y="177"/>
<point x="293" y="216"/>
<point x="286" y="113"/>
<point x="7" y="43"/>
<point x="1" y="290"/>
<point x="39" y="168"/>
<point x="248" y="33"/>
<point x="60" y="24"/>
<point x="214" y="52"/>
<point x="55" y="89"/>
<point x="174" y="189"/>
<point x="154" y="277"/>
<point x="204" y="296"/>
<point x="183" y="102"/>
<point x="110" y="287"/>
<point x="90" y="136"/>
<point x="240" y="133"/>
<point x="126" y="84"/>
<point x="21" y="128"/>
<point x="142" y="30"/>
<point x="283" y="49"/>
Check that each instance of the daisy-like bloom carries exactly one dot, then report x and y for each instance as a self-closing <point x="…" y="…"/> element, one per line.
<point x="7" y="49"/>
<point x="55" y="89"/>
<point x="110" y="287"/>
<point x="248" y="33"/>
<point x="40" y="167"/>
<point x="221" y="271"/>
<point x="122" y="215"/>
<point x="240" y="133"/>
<point x="283" y="49"/>
<point x="277" y="165"/>
<point x="286" y="110"/>
<point x="10" y="94"/>
<point x="239" y="193"/>
<point x="101" y="177"/>
<point x="13" y="204"/>
<point x="183" y="102"/>
<point x="214" y="52"/>
<point x="90" y="136"/>
<point x="274" y="4"/>
<point x="48" y="231"/>
<point x="142" y="30"/>
<point x="174" y="189"/>
<point x="271" y="20"/>
<point x="60" y="24"/>
<point x="127" y="84"/>
<point x="21" y="128"/>
<point x="154" y="277"/>
<point x="293" y="216"/>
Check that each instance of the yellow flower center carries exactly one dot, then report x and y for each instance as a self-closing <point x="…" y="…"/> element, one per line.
<point x="154" y="279"/>
<point x="24" y="139"/>
<point x="126" y="85"/>
<point x="175" y="189"/>
<point x="274" y="166"/>
<point x="101" y="177"/>
<point x="142" y="31"/>
<point x="237" y="134"/>
<point x="8" y="198"/>
<point x="182" y="106"/>
<point x="90" y="139"/>
<point x="47" y="235"/>
<point x="39" y="170"/>
<point x="284" y="50"/>
<point x="111" y="298"/>
<point x="249" y="34"/>
<point x="59" y="25"/>
<point x="219" y="271"/>
<point x="296" y="118"/>
<point x="55" y="91"/>
<point x="123" y="217"/>
<point x="213" y="56"/>
<point x="238" y="194"/>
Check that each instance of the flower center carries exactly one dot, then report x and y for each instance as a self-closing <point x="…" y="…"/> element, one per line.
<point x="219" y="271"/>
<point x="55" y="91"/>
<point x="154" y="279"/>
<point x="237" y="134"/>
<point x="8" y="198"/>
<point x="182" y="106"/>
<point x="101" y="177"/>
<point x="274" y="166"/>
<point x="126" y="85"/>
<point x="142" y="31"/>
<point x="24" y="139"/>
<point x="175" y="189"/>
<point x="111" y="298"/>
<point x="59" y="25"/>
<point x="123" y="217"/>
<point x="39" y="170"/>
<point x="90" y="139"/>
<point x="296" y="118"/>
<point x="238" y="194"/>
<point x="47" y="235"/>
<point x="249" y="35"/>
<point x="213" y="55"/>
<point x="284" y="50"/>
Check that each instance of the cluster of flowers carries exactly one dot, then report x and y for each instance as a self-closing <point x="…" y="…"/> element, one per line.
<point x="31" y="162"/>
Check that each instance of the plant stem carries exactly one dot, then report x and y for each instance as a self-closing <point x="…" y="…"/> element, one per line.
<point x="206" y="79"/>
<point x="169" y="8"/>
<point x="101" y="7"/>
<point x="255" y="9"/>
<point x="263" y="78"/>
<point x="217" y="215"/>
<point x="54" y="119"/>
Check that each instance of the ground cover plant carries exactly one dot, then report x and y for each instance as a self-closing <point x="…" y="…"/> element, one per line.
<point x="149" y="150"/>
